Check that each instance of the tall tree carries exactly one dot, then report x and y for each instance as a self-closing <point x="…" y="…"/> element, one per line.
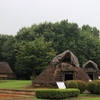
<point x="93" y="30"/>
<point x="32" y="57"/>
<point x="7" y="51"/>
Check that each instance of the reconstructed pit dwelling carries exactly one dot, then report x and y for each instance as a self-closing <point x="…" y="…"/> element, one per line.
<point x="64" y="66"/>
<point x="5" y="71"/>
<point x="91" y="68"/>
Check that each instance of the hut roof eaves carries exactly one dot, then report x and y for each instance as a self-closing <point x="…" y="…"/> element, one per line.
<point x="93" y="63"/>
<point x="59" y="58"/>
<point x="5" y="68"/>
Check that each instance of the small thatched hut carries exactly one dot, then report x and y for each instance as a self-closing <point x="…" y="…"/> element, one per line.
<point x="5" y="71"/>
<point x="91" y="68"/>
<point x="64" y="66"/>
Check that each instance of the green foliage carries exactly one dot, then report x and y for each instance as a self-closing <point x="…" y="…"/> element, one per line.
<point x="93" y="30"/>
<point x="7" y="53"/>
<point x="84" y="42"/>
<point x="71" y="84"/>
<point x="32" y="57"/>
<point x="98" y="86"/>
<point x="82" y="86"/>
<point x="15" y="84"/>
<point x="56" y="93"/>
<point x="92" y="87"/>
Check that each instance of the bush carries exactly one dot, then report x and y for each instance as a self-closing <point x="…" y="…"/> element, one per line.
<point x="98" y="86"/>
<point x="92" y="87"/>
<point x="56" y="93"/>
<point x="82" y="86"/>
<point x="71" y="84"/>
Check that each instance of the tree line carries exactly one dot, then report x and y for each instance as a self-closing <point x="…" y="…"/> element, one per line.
<point x="32" y="49"/>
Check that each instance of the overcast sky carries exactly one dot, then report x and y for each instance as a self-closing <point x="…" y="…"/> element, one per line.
<point x="15" y="14"/>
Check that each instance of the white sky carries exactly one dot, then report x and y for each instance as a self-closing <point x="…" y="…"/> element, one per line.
<point x="15" y="14"/>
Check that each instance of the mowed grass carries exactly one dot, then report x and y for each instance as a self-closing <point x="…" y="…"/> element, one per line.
<point x="92" y="99"/>
<point x="15" y="84"/>
<point x="73" y="99"/>
<point x="80" y="97"/>
<point x="20" y="84"/>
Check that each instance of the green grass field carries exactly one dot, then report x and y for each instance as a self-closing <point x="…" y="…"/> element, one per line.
<point x="20" y="84"/>
<point x="92" y="99"/>
<point x="73" y="99"/>
<point x="15" y="84"/>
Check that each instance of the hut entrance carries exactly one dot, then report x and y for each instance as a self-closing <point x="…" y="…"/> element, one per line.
<point x="90" y="75"/>
<point x="68" y="77"/>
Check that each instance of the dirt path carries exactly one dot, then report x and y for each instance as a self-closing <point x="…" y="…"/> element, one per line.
<point x="27" y="98"/>
<point x="7" y="96"/>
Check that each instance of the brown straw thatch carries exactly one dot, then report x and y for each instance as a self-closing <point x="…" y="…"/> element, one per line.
<point x="5" y="68"/>
<point x="91" y="69"/>
<point x="90" y="66"/>
<point x="78" y="73"/>
<point x="66" y="56"/>
<point x="64" y="66"/>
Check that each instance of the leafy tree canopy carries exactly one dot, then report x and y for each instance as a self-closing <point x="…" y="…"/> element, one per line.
<point x="32" y="57"/>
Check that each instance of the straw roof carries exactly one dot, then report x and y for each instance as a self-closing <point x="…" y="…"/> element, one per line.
<point x="64" y="62"/>
<point x="78" y="73"/>
<point x="5" y="68"/>
<point x="47" y="76"/>
<point x="52" y="74"/>
<point x="90" y="64"/>
<point x="66" y="56"/>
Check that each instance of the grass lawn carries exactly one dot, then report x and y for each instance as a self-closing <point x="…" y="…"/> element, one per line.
<point x="19" y="84"/>
<point x="92" y="99"/>
<point x="77" y="98"/>
<point x="15" y="84"/>
<point x="81" y="97"/>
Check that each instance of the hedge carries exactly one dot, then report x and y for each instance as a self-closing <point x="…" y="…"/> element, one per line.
<point x="71" y="84"/>
<point x="56" y="93"/>
<point x="94" y="86"/>
<point x="81" y="85"/>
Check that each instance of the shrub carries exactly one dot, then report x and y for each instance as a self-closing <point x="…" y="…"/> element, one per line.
<point x="82" y="86"/>
<point x="71" y="84"/>
<point x="92" y="87"/>
<point x="98" y="86"/>
<point x="56" y="93"/>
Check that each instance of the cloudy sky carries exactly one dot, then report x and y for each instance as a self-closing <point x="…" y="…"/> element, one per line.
<point x="15" y="14"/>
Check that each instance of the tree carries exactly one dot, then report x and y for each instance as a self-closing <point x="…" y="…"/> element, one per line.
<point x="3" y="39"/>
<point x="7" y="51"/>
<point x="32" y="57"/>
<point x="87" y="47"/>
<point x="93" y="30"/>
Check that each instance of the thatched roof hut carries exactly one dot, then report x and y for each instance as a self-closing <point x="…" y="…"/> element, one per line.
<point x="90" y="68"/>
<point x="67" y="57"/>
<point x="64" y="66"/>
<point x="5" y="70"/>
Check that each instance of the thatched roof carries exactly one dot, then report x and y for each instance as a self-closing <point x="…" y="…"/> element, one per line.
<point x="5" y="68"/>
<point x="64" y="62"/>
<point x="90" y="64"/>
<point x="97" y="75"/>
<point x="67" y="57"/>
<point x="47" y="76"/>
<point x="79" y="74"/>
<point x="52" y="74"/>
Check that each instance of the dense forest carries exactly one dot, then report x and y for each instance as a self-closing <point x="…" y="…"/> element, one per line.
<point x="32" y="49"/>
